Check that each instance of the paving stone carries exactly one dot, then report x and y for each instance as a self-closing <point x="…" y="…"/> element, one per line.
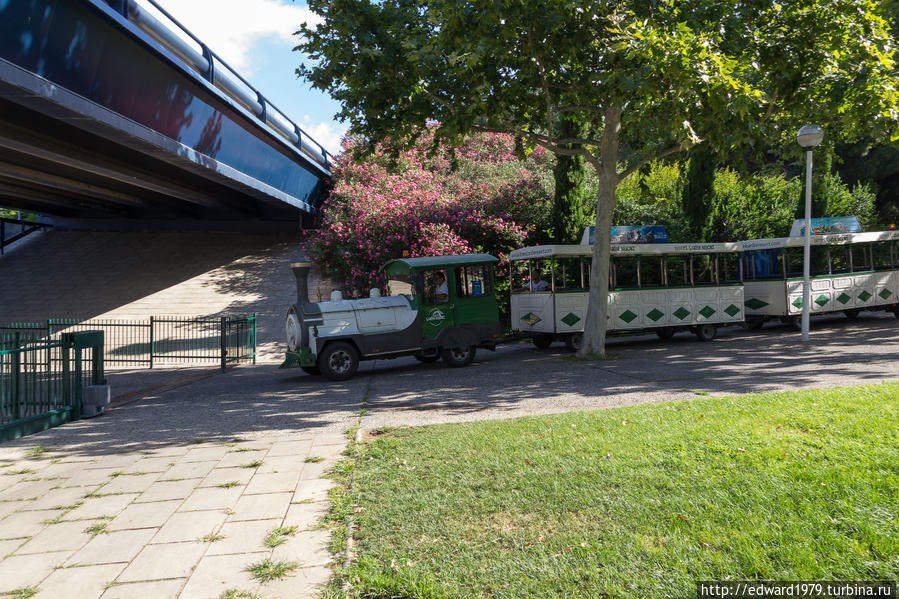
<point x="220" y="476"/>
<point x="204" y="454"/>
<point x="117" y="461"/>
<point x="56" y="498"/>
<point x="329" y="439"/>
<point x="113" y="547"/>
<point x="239" y="458"/>
<point x="90" y="478"/>
<point x="272" y="482"/>
<point x="97" y="507"/>
<point x="304" y="582"/>
<point x="20" y="571"/>
<point x="155" y="464"/>
<point x="309" y="547"/>
<point x="131" y="483"/>
<point x="299" y="448"/>
<point x="188" y="470"/>
<point x="8" y="547"/>
<point x="8" y="480"/>
<point x="25" y="524"/>
<point x="65" y="536"/>
<point x="159" y="589"/>
<point x="305" y="515"/>
<point x="61" y="470"/>
<point x="244" y="537"/>
<point x="314" y="490"/>
<point x="190" y="526"/>
<point x="157" y="562"/>
<point x="281" y="464"/>
<point x="8" y="507"/>
<point x="27" y="489"/>
<point x="218" y="573"/>
<point x="144" y="515"/>
<point x="211" y="499"/>
<point x="164" y="490"/>
<point x="314" y="471"/>
<point x="88" y="582"/>
<point x="260" y="507"/>
<point x="328" y="451"/>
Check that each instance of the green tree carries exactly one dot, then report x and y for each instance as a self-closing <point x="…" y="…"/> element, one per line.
<point x="650" y="78"/>
<point x="569" y="211"/>
<point x="697" y="196"/>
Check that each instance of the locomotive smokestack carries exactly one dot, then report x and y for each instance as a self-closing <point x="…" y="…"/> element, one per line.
<point x="301" y="272"/>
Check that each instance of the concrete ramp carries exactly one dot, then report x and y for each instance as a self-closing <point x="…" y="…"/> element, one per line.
<point x="119" y="275"/>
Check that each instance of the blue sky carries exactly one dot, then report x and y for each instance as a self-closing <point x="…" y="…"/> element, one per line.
<point x="256" y="38"/>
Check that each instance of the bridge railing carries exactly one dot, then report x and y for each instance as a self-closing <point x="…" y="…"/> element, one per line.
<point x="12" y="230"/>
<point x="215" y="70"/>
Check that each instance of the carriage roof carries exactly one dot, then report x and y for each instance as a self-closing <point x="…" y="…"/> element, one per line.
<point x="818" y="240"/>
<point x="644" y="249"/>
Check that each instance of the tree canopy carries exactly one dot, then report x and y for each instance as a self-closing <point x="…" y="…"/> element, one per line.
<point x="645" y="78"/>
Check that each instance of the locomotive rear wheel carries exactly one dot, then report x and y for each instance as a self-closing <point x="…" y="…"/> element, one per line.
<point x="339" y="361"/>
<point x="706" y="332"/>
<point x="458" y="356"/>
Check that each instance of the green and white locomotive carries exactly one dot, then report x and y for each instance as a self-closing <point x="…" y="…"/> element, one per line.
<point x="436" y="308"/>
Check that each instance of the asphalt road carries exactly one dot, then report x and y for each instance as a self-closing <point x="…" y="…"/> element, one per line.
<point x="263" y="402"/>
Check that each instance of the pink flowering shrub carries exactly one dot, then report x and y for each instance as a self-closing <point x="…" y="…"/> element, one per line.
<point x="380" y="206"/>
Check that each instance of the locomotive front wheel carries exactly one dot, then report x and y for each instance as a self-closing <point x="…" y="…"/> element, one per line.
<point x="427" y="359"/>
<point x="458" y="356"/>
<point x="311" y="369"/>
<point x="542" y="340"/>
<point x="339" y="361"/>
<point x="706" y="332"/>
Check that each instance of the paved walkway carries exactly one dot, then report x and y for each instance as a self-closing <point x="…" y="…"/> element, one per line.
<point x="172" y="495"/>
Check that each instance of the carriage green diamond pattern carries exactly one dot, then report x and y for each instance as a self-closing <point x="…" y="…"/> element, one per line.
<point x="864" y="296"/>
<point x="627" y="316"/>
<point x="570" y="319"/>
<point x="707" y="311"/>
<point x="754" y="303"/>
<point x="531" y="318"/>
<point x="732" y="310"/>
<point x="821" y="300"/>
<point x="655" y="314"/>
<point x="681" y="313"/>
<point x="885" y="293"/>
<point x="843" y="298"/>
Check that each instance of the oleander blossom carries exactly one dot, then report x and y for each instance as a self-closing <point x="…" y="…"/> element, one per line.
<point x="381" y="206"/>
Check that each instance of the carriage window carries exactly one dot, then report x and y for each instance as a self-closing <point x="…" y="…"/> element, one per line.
<point x="526" y="271"/>
<point x="703" y="269"/>
<point x="400" y="284"/>
<point x="473" y="281"/>
<point x="884" y="256"/>
<point x="435" y="287"/>
<point x="861" y="258"/>
<point x="623" y="272"/>
<point x="729" y="268"/>
<point x="762" y="264"/>
<point x="571" y="274"/>
<point x="677" y="270"/>
<point x="650" y="271"/>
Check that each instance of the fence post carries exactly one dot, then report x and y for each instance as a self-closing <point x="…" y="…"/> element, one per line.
<point x="16" y="380"/>
<point x="222" y="328"/>
<point x="79" y="387"/>
<point x="66" y="373"/>
<point x="254" y="337"/>
<point x="152" y="341"/>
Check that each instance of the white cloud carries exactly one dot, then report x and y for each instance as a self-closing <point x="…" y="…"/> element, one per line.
<point x="327" y="133"/>
<point x="231" y="27"/>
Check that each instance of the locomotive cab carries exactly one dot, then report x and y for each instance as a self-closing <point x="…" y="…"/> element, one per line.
<point x="441" y="307"/>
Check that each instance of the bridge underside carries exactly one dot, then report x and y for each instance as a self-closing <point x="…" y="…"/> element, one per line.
<point x="51" y="166"/>
<point x="100" y="123"/>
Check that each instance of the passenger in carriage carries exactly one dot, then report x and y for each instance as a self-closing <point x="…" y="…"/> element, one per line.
<point x="536" y="283"/>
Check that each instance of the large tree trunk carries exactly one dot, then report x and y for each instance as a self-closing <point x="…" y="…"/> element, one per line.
<point x="607" y="173"/>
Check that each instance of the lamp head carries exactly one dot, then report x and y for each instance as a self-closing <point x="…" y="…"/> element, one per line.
<point x="810" y="136"/>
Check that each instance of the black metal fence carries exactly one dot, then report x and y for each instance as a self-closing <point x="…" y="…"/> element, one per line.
<point x="152" y="342"/>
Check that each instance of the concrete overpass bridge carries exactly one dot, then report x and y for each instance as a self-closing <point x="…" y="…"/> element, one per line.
<point x="113" y="113"/>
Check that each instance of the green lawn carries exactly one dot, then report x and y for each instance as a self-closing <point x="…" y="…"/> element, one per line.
<point x="632" y="502"/>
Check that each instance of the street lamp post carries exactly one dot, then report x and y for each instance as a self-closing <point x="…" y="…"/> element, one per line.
<point x="809" y="137"/>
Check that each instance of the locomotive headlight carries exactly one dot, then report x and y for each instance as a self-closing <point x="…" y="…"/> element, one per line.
<point x="294" y="334"/>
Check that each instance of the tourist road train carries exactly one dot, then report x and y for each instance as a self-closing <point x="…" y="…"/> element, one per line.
<point x="445" y="307"/>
